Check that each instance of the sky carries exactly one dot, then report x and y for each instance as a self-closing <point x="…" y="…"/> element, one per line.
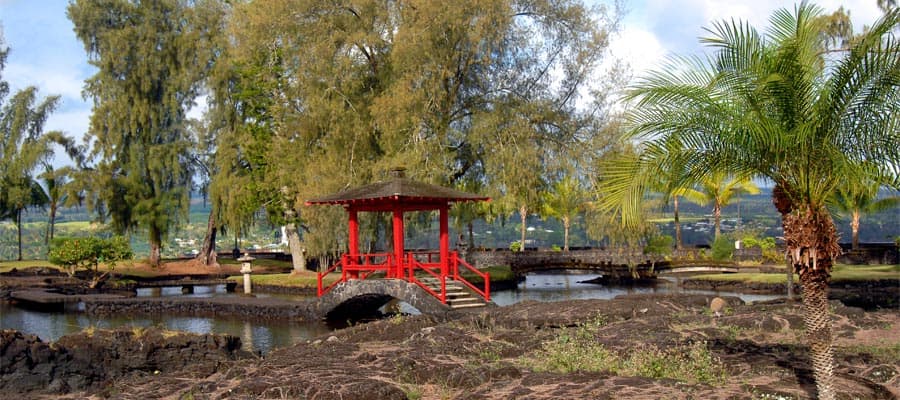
<point x="45" y="52"/>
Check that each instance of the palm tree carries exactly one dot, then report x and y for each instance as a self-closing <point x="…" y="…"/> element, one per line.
<point x="856" y="198"/>
<point x="55" y="194"/>
<point x="719" y="189"/>
<point x="23" y="147"/>
<point x="778" y="106"/>
<point x="564" y="202"/>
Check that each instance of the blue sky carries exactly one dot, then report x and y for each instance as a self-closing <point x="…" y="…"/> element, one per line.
<point x="45" y="52"/>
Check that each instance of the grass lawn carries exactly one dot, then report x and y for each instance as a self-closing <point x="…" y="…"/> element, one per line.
<point x="303" y="279"/>
<point x="6" y="266"/>
<point x="840" y="273"/>
<point x="498" y="273"/>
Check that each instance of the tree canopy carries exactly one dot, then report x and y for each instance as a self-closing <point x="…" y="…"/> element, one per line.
<point x="151" y="58"/>
<point x="333" y="95"/>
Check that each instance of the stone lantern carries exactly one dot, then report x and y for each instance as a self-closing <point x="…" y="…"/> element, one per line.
<point x="245" y="269"/>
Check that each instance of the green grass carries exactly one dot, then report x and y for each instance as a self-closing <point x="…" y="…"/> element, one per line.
<point x="6" y="266"/>
<point x="577" y="349"/>
<point x="840" y="273"/>
<point x="306" y="279"/>
<point x="497" y="273"/>
<point x="261" y="262"/>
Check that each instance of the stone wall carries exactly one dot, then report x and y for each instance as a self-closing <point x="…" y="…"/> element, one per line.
<point x="245" y="307"/>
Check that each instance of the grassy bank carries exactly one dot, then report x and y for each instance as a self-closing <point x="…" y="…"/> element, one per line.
<point x="6" y="266"/>
<point x="840" y="273"/>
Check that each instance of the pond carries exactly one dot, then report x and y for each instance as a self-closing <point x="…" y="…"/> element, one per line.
<point x="263" y="336"/>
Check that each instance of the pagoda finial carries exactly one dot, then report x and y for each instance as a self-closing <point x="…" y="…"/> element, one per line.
<point x="398" y="172"/>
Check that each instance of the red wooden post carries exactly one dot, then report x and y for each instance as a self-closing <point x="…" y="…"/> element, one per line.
<point x="353" y="227"/>
<point x="397" y="270"/>
<point x="445" y="240"/>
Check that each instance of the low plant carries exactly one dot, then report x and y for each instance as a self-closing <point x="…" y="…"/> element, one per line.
<point x="555" y="248"/>
<point x="659" y="245"/>
<point x="515" y="246"/>
<point x="89" y="253"/>
<point x="722" y="249"/>
<point x="689" y="363"/>
<point x="577" y="349"/>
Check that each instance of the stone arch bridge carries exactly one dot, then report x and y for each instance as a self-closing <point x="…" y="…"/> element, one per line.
<point x="363" y="297"/>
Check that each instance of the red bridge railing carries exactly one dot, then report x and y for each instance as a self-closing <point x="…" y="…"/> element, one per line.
<point x="424" y="264"/>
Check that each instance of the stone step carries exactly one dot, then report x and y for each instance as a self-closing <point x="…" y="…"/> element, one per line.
<point x="466" y="305"/>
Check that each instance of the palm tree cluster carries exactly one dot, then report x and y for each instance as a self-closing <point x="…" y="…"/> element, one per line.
<point x="782" y="106"/>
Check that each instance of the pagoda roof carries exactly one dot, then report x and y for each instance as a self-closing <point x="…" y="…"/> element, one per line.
<point x="397" y="189"/>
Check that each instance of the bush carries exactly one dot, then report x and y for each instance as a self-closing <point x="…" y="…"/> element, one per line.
<point x="555" y="248"/>
<point x="88" y="253"/>
<point x="659" y="245"/>
<point x="515" y="246"/>
<point x="722" y="249"/>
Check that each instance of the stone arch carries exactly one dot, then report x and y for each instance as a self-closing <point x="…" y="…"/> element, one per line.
<point x="366" y="296"/>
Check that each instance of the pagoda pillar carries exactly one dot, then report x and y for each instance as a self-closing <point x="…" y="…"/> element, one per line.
<point x="445" y="240"/>
<point x="396" y="270"/>
<point x="353" y="239"/>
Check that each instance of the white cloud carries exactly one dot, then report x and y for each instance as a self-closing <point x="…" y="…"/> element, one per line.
<point x="656" y="28"/>
<point x="639" y="48"/>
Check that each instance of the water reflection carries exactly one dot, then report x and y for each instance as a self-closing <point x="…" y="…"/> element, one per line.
<point x="256" y="336"/>
<point x="560" y="286"/>
<point x="263" y="336"/>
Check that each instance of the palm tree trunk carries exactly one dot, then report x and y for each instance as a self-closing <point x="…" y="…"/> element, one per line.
<point x="208" y="255"/>
<point x="854" y="225"/>
<point x="677" y="224"/>
<point x="19" y="231"/>
<point x="566" y="224"/>
<point x="717" y="216"/>
<point x="51" y="224"/>
<point x="811" y="240"/>
<point x="817" y="318"/>
<point x="523" y="212"/>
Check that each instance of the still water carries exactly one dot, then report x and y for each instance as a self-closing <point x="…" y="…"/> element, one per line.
<point x="263" y="336"/>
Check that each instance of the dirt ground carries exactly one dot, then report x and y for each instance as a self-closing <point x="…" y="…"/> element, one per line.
<point x="755" y="352"/>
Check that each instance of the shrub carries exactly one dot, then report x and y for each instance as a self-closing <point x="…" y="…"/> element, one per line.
<point x="659" y="245"/>
<point x="555" y="248"/>
<point x="722" y="249"/>
<point x="88" y="253"/>
<point x="515" y="246"/>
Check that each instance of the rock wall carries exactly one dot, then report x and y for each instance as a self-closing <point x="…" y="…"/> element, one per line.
<point x="248" y="307"/>
<point x="91" y="359"/>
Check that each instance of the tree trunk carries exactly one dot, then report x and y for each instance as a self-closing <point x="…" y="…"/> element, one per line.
<point x="471" y="236"/>
<point x="677" y="225"/>
<point x="717" y="216"/>
<point x="19" y="231"/>
<point x="811" y="241"/>
<point x="854" y="225"/>
<point x="155" y="247"/>
<point x="298" y="254"/>
<point x="208" y="255"/>
<point x="566" y="224"/>
<point x="523" y="212"/>
<point x="51" y="224"/>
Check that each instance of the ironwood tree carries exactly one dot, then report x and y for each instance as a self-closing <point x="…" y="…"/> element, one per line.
<point x="333" y="95"/>
<point x="151" y="59"/>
